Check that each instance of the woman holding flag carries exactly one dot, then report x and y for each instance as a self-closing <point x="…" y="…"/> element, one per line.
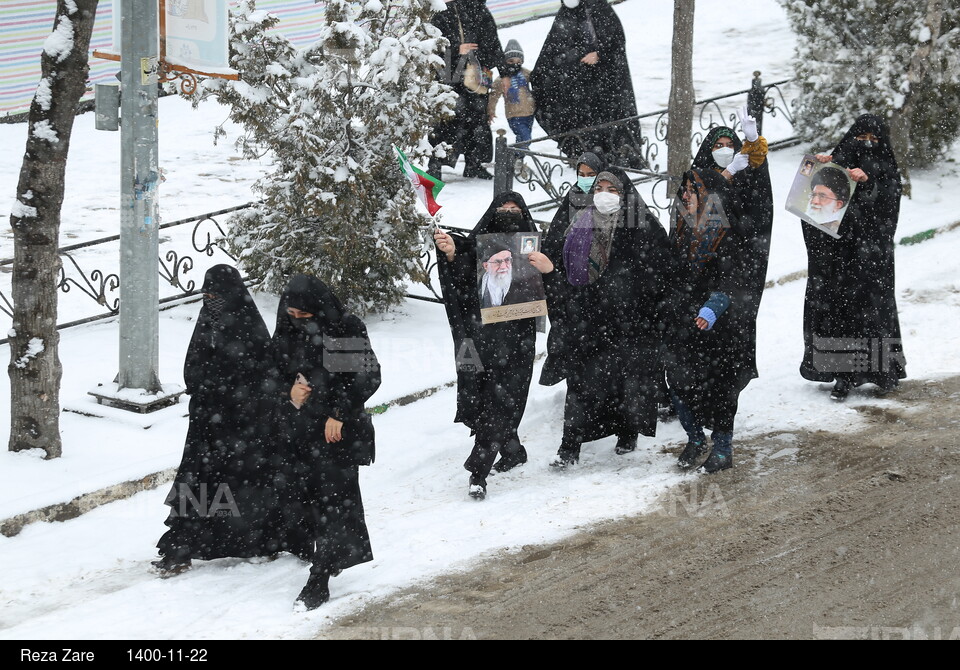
<point x="494" y="360"/>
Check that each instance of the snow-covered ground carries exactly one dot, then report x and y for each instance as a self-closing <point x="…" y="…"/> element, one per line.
<point x="89" y="578"/>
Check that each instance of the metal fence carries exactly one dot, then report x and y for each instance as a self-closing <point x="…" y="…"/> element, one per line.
<point x="90" y="270"/>
<point x="545" y="167"/>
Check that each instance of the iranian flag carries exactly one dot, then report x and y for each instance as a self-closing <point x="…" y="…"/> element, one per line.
<point x="427" y="187"/>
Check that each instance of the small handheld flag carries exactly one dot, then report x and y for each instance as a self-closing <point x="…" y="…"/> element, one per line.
<point x="426" y="187"/>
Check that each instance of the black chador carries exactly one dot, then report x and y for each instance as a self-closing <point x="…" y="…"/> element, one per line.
<point x="851" y="330"/>
<point x="605" y="299"/>
<point x="572" y="94"/>
<point x="467" y="22"/>
<point x="223" y="491"/>
<point x="752" y="199"/>
<point x="494" y="361"/>
<point x="707" y="368"/>
<point x="318" y="343"/>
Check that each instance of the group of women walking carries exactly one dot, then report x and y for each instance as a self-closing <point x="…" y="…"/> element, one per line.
<point x="277" y="433"/>
<point x="278" y="428"/>
<point x="631" y="305"/>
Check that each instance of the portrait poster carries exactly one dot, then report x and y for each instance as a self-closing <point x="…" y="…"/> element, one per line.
<point x="509" y="286"/>
<point x="820" y="194"/>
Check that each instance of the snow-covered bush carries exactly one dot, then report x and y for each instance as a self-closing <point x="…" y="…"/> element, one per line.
<point x="335" y="203"/>
<point x="887" y="57"/>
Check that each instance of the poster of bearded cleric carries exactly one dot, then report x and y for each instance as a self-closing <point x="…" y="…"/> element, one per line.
<point x="510" y="288"/>
<point x="820" y="194"/>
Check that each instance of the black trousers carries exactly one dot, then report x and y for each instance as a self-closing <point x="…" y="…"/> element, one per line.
<point x="500" y="415"/>
<point x="468" y="131"/>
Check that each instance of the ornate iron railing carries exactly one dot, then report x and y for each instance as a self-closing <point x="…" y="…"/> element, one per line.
<point x="544" y="165"/>
<point x="102" y="284"/>
<point x="181" y="261"/>
<point x="86" y="271"/>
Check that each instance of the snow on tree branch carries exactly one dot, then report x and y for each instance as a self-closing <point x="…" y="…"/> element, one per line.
<point x="335" y="203"/>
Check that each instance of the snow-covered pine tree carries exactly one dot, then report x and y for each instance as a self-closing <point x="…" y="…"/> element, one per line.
<point x="886" y="57"/>
<point x="335" y="203"/>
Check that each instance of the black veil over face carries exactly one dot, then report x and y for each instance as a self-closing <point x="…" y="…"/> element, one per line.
<point x="299" y="340"/>
<point x="878" y="162"/>
<point x="230" y="337"/>
<point x="492" y="222"/>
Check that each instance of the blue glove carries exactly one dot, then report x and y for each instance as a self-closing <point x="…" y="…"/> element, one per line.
<point x="713" y="308"/>
<point x="707" y="315"/>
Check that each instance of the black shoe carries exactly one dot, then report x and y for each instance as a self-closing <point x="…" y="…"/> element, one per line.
<point x="564" y="459"/>
<point x="840" y="390"/>
<point x="168" y="566"/>
<point x="887" y="387"/>
<point x="716" y="462"/>
<point x="315" y="592"/>
<point x="510" y="461"/>
<point x="478" y="487"/>
<point x="625" y="445"/>
<point x="693" y="451"/>
<point x="476" y="172"/>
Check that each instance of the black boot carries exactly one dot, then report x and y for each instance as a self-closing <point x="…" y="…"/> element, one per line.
<point x="478" y="487"/>
<point x="171" y="566"/>
<point x="840" y="390"/>
<point x="508" y="461"/>
<point x="693" y="451"/>
<point x="716" y="462"/>
<point x="568" y="454"/>
<point x="316" y="591"/>
<point x="721" y="457"/>
<point x="625" y="444"/>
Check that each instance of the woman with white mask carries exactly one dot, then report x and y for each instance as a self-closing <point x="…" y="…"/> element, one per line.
<point x="604" y="275"/>
<point x="744" y="164"/>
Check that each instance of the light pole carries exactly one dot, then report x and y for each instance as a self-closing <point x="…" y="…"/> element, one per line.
<point x="139" y="177"/>
<point x="139" y="217"/>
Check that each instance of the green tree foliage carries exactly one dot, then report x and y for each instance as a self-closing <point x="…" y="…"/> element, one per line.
<point x="334" y="203"/>
<point x="886" y="57"/>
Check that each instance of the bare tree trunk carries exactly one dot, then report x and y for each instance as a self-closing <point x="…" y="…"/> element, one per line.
<point x="681" y="93"/>
<point x="900" y="124"/>
<point x="34" y="368"/>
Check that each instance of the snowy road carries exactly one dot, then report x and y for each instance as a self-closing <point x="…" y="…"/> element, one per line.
<point x="88" y="578"/>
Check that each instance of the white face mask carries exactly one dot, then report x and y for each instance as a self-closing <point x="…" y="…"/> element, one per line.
<point x="571" y="4"/>
<point x="606" y="203"/>
<point x="723" y="157"/>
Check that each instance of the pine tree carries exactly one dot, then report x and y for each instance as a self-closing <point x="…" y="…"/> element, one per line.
<point x="335" y="203"/>
<point x="894" y="59"/>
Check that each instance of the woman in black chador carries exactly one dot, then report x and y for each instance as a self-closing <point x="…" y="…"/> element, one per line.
<point x="472" y="32"/>
<point x="604" y="275"/>
<point x="582" y="79"/>
<point x="223" y="491"/>
<point x="709" y="345"/>
<point x="494" y="361"/>
<point x="326" y="370"/>
<point x="851" y="330"/>
<point x="745" y="166"/>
